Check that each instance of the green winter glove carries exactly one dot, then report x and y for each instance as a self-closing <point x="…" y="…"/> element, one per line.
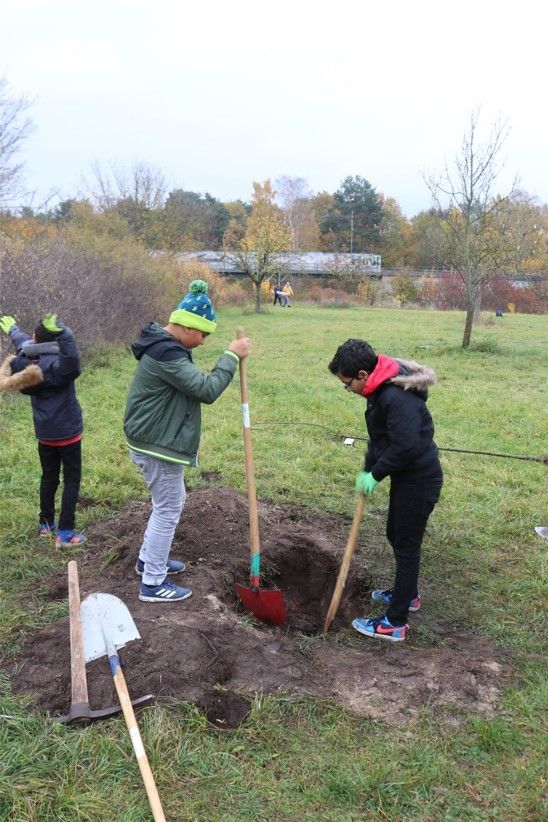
<point x="7" y="323"/>
<point x="365" y="482"/>
<point x="50" y="323"/>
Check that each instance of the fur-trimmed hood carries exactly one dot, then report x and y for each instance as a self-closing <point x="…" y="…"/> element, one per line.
<point x="28" y="377"/>
<point x="414" y="377"/>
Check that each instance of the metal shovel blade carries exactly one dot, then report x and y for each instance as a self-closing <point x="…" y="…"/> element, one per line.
<point x="105" y="609"/>
<point x="268" y="606"/>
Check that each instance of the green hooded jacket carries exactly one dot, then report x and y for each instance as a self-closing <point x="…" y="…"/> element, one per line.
<point x="163" y="409"/>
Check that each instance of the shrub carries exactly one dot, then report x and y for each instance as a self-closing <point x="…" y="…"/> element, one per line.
<point x="499" y="292"/>
<point x="103" y="295"/>
<point x="368" y="291"/>
<point x="451" y="294"/>
<point x="405" y="289"/>
<point x="222" y="290"/>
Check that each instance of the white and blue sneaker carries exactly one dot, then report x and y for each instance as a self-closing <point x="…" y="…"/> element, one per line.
<point x="173" y="567"/>
<point x="386" y="598"/>
<point x="381" y="628"/>
<point x="165" y="592"/>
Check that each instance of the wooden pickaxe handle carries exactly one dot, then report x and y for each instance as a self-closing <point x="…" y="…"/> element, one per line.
<point x="79" y="707"/>
<point x="345" y="564"/>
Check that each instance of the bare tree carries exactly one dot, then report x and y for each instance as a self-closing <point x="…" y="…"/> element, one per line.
<point x="479" y="245"/>
<point x="295" y="198"/>
<point x="15" y="127"/>
<point x="141" y="183"/>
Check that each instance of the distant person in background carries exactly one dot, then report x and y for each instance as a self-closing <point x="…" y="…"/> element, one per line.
<point x="498" y="312"/>
<point x="401" y="446"/>
<point x="279" y="296"/>
<point x="288" y="292"/>
<point x="45" y="367"/>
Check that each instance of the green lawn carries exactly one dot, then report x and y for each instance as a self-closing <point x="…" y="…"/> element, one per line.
<point x="482" y="568"/>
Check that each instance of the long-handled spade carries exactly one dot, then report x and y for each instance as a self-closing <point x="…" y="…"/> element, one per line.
<point x="345" y="564"/>
<point x="108" y="625"/>
<point x="267" y="605"/>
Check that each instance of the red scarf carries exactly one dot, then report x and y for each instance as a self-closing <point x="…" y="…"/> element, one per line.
<point x="385" y="369"/>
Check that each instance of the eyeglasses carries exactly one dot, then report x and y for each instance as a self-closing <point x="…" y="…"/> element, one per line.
<point x="348" y="385"/>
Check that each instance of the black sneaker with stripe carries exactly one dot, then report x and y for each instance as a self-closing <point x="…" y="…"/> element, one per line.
<point x="165" y="592"/>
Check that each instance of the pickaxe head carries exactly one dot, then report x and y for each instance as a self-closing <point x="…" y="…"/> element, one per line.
<point x="81" y="713"/>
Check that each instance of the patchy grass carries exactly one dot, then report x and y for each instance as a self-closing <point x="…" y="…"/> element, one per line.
<point x="482" y="572"/>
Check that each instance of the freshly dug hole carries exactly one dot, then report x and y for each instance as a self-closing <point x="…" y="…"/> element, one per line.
<point x="224" y="709"/>
<point x="306" y="576"/>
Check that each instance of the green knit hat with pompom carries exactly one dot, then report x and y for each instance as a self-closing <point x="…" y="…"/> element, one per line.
<point x="195" y="310"/>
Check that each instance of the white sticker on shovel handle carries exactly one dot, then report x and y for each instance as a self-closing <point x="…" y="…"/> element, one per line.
<point x="245" y="414"/>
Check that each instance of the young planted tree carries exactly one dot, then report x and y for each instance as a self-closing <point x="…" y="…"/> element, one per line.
<point x="480" y="241"/>
<point x="260" y="252"/>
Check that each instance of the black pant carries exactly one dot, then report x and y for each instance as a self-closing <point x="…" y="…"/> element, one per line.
<point x="52" y="457"/>
<point x="411" y="503"/>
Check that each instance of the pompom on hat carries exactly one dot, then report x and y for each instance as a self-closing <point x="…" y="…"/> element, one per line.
<point x="195" y="310"/>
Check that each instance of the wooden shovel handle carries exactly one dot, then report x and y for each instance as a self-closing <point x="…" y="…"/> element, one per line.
<point x="79" y="685"/>
<point x="345" y="564"/>
<point x="249" y="472"/>
<point x="138" y="747"/>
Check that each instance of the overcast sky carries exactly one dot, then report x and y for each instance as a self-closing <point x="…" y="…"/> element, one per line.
<point x="218" y="94"/>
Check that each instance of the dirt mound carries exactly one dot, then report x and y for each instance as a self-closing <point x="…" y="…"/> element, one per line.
<point x="207" y="650"/>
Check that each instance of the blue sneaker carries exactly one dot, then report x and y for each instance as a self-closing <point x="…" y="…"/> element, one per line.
<point x="381" y="628"/>
<point x="46" y="530"/>
<point x="386" y="598"/>
<point x="173" y="567"/>
<point x="65" y="539"/>
<point x="166" y="592"/>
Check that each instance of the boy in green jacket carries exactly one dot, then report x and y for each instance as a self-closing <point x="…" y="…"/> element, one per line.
<point x="163" y="423"/>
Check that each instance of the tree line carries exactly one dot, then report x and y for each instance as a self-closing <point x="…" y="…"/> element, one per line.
<point x="471" y="228"/>
<point x="353" y="219"/>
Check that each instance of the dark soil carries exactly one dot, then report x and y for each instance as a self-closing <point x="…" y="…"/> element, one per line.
<point x="207" y="650"/>
<point x="224" y="709"/>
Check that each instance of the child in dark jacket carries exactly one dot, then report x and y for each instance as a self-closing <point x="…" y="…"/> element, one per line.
<point x="401" y="445"/>
<point x="45" y="367"/>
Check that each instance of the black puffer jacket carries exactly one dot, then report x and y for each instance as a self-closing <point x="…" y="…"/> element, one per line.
<point x="401" y="431"/>
<point x="56" y="411"/>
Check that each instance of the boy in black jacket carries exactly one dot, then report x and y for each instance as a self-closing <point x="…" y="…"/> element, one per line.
<point x="45" y="367"/>
<point x="401" y="445"/>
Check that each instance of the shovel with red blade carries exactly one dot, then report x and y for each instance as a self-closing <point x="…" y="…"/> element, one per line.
<point x="267" y="604"/>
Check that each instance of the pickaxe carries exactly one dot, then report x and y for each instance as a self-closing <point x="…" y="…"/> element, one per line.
<point x="80" y="710"/>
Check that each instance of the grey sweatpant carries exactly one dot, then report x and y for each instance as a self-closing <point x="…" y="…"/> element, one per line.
<point x="167" y="487"/>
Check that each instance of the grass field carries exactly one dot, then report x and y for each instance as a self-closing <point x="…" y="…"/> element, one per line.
<point x="296" y="759"/>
